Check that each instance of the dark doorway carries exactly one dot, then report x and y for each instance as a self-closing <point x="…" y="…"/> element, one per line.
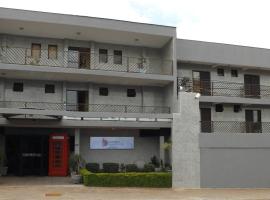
<point x="201" y="82"/>
<point x="206" y="121"/>
<point x="252" y="86"/>
<point x="27" y="155"/>
<point x="79" y="57"/>
<point x="77" y="100"/>
<point x="253" y="121"/>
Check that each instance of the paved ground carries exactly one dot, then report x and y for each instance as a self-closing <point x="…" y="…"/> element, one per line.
<point x="28" y="190"/>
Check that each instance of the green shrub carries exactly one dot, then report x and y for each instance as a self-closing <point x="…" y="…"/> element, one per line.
<point x="149" y="168"/>
<point x="110" y="167"/>
<point x="154" y="179"/>
<point x="92" y="167"/>
<point x="132" y="168"/>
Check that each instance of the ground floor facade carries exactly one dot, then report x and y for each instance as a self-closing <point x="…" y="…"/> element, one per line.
<point x="33" y="151"/>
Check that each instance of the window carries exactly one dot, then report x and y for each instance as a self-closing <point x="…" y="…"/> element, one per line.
<point x="52" y="51"/>
<point x="220" y="72"/>
<point x="234" y="73"/>
<point x="36" y="50"/>
<point x="131" y="93"/>
<point x="117" y="57"/>
<point x="103" y="91"/>
<point x="18" y="87"/>
<point x="103" y="55"/>
<point x="219" y="108"/>
<point x="236" y="108"/>
<point x="49" y="88"/>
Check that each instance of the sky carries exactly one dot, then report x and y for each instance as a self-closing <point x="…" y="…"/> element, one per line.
<point x="241" y="22"/>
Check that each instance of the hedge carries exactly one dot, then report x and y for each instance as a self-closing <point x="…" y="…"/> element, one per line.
<point x="152" y="179"/>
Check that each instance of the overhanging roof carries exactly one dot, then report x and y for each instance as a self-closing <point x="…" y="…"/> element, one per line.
<point x="51" y="25"/>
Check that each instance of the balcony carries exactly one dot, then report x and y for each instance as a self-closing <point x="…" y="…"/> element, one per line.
<point x="92" y="108"/>
<point x="225" y="89"/>
<point x="234" y="127"/>
<point x="85" y="60"/>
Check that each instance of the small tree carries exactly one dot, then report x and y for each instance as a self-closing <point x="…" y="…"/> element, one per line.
<point x="76" y="163"/>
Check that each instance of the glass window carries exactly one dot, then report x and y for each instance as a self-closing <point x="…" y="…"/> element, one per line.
<point x="18" y="87"/>
<point x="103" y="91"/>
<point x="117" y="57"/>
<point x="36" y="50"/>
<point x="49" y="88"/>
<point x="131" y="93"/>
<point x="52" y="52"/>
<point x="220" y="72"/>
<point x="103" y="55"/>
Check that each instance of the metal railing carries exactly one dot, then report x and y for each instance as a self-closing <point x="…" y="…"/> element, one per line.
<point x="85" y="60"/>
<point x="234" y="127"/>
<point x="222" y="88"/>
<point x="85" y="107"/>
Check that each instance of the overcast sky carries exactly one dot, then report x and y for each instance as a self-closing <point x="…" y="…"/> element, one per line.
<point x="243" y="22"/>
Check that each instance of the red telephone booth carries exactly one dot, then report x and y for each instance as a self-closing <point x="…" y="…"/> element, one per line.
<point x="58" y="154"/>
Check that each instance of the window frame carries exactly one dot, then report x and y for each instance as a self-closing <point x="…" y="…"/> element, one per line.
<point x="234" y="73"/>
<point x="101" y="92"/>
<point x="18" y="87"/>
<point x="101" y="54"/>
<point x="32" y="49"/>
<point x="134" y="94"/>
<point x="220" y="70"/>
<point x="118" y="58"/>
<point x="56" y="51"/>
<point x="46" y="89"/>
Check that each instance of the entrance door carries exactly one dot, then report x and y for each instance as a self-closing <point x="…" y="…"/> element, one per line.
<point x="206" y="121"/>
<point x="201" y="82"/>
<point x="77" y="100"/>
<point x="27" y="154"/>
<point x="253" y="121"/>
<point x="79" y="57"/>
<point x="252" y="86"/>
<point x="58" y="155"/>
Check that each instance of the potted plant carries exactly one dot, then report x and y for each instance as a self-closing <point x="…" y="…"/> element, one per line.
<point x="76" y="163"/>
<point x="3" y="166"/>
<point x="155" y="161"/>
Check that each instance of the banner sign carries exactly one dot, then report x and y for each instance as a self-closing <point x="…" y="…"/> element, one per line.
<point x="111" y="142"/>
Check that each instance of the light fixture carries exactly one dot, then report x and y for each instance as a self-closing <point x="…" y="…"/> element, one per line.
<point x="197" y="96"/>
<point x="136" y="40"/>
<point x="21" y="28"/>
<point x="181" y="88"/>
<point x="78" y="33"/>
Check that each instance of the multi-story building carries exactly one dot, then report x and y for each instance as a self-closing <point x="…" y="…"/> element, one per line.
<point x="119" y="90"/>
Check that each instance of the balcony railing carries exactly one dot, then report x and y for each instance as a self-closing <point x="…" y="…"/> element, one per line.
<point x="222" y="88"/>
<point x="234" y="127"/>
<point x="85" y="107"/>
<point x="85" y="60"/>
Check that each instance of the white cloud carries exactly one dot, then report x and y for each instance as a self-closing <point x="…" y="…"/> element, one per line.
<point x="243" y="22"/>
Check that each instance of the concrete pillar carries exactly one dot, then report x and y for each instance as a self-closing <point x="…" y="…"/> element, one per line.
<point x="185" y="146"/>
<point x="65" y="51"/>
<point x="161" y="149"/>
<point x="92" y="55"/>
<point x="77" y="141"/>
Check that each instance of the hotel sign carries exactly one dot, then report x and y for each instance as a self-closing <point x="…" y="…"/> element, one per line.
<point x="111" y="142"/>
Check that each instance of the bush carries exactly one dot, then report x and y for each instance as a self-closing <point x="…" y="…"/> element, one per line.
<point x="92" y="167"/>
<point x="110" y="167"/>
<point x="149" y="168"/>
<point x="158" y="180"/>
<point x="132" y="168"/>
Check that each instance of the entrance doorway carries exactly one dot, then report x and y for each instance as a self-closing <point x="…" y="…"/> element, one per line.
<point x="201" y="82"/>
<point x="253" y="121"/>
<point x="77" y="100"/>
<point x="27" y="155"/>
<point x="206" y="121"/>
<point x="252" y="86"/>
<point x="79" y="57"/>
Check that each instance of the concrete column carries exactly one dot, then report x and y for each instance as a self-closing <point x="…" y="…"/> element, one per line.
<point x="65" y="51"/>
<point x="161" y="149"/>
<point x="92" y="55"/>
<point x="77" y="141"/>
<point x="185" y="146"/>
